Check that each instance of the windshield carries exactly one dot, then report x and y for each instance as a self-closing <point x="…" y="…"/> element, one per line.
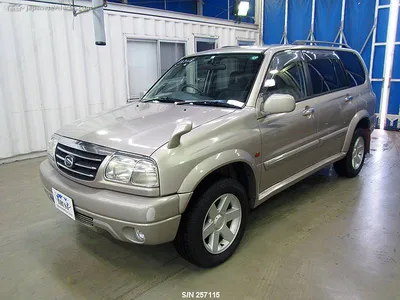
<point x="221" y="80"/>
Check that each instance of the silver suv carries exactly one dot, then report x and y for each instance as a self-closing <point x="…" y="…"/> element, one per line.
<point x="217" y="135"/>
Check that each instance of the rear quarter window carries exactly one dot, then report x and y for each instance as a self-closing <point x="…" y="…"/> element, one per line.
<point x="353" y="67"/>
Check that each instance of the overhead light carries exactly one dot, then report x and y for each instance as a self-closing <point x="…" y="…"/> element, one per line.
<point x="243" y="8"/>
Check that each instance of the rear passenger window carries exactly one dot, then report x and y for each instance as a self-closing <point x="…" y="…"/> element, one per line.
<point x="341" y="75"/>
<point x="353" y="67"/>
<point x="319" y="83"/>
<point x="325" y="70"/>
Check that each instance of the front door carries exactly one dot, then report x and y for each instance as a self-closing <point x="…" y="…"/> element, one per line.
<point x="289" y="140"/>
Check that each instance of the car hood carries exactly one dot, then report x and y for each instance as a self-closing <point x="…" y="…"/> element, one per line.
<point x="139" y="127"/>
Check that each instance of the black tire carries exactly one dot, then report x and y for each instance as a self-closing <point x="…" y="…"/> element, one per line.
<point x="344" y="167"/>
<point x="189" y="239"/>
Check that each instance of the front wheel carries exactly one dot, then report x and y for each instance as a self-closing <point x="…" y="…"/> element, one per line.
<point x="211" y="228"/>
<point x="352" y="163"/>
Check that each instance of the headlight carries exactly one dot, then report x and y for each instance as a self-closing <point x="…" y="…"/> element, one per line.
<point x="135" y="170"/>
<point x="51" y="147"/>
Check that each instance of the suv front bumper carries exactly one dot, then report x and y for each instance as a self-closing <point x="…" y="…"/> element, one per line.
<point x="118" y="213"/>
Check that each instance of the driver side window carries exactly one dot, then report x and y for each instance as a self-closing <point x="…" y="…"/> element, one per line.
<point x="285" y="75"/>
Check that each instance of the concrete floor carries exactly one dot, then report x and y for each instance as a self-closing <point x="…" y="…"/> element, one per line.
<point x="324" y="238"/>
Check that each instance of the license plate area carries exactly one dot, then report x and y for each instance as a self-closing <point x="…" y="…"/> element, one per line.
<point x="63" y="203"/>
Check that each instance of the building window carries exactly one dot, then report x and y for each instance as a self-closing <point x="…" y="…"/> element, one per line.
<point x="246" y="43"/>
<point x="170" y="54"/>
<point x="147" y="61"/>
<point x="203" y="44"/>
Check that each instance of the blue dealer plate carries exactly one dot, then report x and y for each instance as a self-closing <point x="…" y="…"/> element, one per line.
<point x="64" y="203"/>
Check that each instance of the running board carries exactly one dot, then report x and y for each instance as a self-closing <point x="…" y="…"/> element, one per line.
<point x="280" y="186"/>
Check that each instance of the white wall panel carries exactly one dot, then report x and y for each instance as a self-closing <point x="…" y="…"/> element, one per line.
<point x="52" y="73"/>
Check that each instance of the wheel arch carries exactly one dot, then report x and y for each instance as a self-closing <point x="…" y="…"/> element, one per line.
<point x="237" y="164"/>
<point x="360" y="120"/>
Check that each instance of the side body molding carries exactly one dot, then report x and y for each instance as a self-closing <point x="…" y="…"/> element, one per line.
<point x="352" y="127"/>
<point x="207" y="166"/>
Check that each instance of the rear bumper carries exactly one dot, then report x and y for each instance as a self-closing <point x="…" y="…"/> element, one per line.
<point x="118" y="213"/>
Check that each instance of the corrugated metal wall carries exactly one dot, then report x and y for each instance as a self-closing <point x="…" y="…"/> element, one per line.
<point x="52" y="73"/>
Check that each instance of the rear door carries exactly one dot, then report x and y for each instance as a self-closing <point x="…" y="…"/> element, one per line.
<point x="334" y="107"/>
<point x="360" y="88"/>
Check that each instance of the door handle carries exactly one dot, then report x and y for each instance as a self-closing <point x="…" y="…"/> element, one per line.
<point x="348" y="98"/>
<point x="309" y="112"/>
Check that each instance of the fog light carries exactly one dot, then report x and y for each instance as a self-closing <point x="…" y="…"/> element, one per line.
<point x="139" y="235"/>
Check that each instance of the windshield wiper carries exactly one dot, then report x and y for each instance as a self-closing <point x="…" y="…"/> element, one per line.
<point x="209" y="103"/>
<point x="163" y="99"/>
<point x="201" y="102"/>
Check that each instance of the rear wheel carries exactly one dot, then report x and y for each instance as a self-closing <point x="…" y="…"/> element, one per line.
<point x="353" y="162"/>
<point x="211" y="228"/>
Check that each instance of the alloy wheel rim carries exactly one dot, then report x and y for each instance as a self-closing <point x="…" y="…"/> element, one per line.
<point x="358" y="153"/>
<point x="222" y="223"/>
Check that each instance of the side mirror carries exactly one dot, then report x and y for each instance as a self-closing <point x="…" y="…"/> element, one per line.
<point x="278" y="103"/>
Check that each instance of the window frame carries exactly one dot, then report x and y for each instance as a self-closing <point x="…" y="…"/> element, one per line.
<point x="159" y="52"/>
<point x="204" y="39"/>
<point x="135" y="38"/>
<point x="303" y="64"/>
<point x="309" y="90"/>
<point x="248" y="43"/>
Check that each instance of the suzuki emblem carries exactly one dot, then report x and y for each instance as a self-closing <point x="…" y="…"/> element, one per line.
<point x="69" y="161"/>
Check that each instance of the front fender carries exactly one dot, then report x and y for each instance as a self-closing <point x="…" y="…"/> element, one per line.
<point x="352" y="127"/>
<point x="207" y="166"/>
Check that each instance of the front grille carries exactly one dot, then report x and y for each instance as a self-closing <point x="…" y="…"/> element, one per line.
<point x="85" y="164"/>
<point x="83" y="219"/>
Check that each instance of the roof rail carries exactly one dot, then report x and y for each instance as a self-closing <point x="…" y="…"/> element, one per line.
<point x="310" y="42"/>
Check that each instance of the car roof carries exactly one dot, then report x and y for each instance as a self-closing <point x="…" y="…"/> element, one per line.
<point x="236" y="49"/>
<point x="264" y="48"/>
